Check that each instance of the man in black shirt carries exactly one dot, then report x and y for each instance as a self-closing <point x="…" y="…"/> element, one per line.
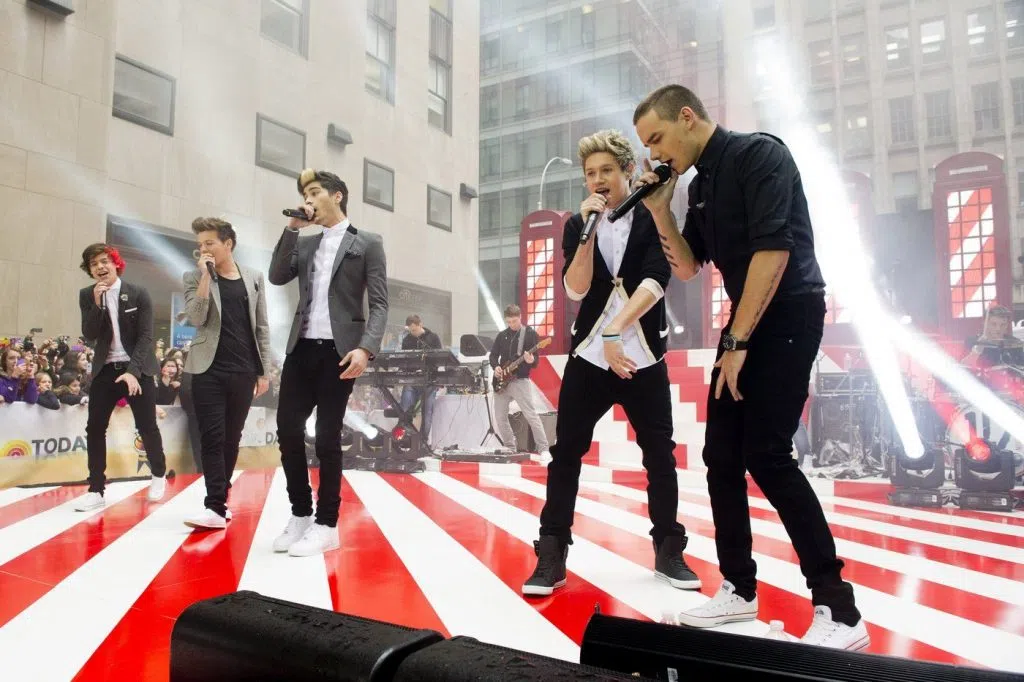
<point x="228" y="360"/>
<point x="514" y="341"/>
<point x="748" y="215"/>
<point x="420" y="338"/>
<point x="996" y="345"/>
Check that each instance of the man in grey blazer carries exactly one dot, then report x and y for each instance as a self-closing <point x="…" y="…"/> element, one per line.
<point x="229" y="359"/>
<point x="337" y="330"/>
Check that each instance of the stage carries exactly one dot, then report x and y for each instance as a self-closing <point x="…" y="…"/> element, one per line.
<point x="93" y="596"/>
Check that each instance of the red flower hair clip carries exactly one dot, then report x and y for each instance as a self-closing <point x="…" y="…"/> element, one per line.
<point x="115" y="258"/>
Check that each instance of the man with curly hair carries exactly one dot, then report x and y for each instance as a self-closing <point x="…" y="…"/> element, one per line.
<point x="118" y="318"/>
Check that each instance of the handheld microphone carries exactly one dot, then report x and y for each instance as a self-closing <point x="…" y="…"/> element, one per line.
<point x="295" y="213"/>
<point x="589" y="227"/>
<point x="664" y="172"/>
<point x="213" y="271"/>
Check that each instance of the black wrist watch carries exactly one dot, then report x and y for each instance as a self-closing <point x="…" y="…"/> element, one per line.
<point x="730" y="342"/>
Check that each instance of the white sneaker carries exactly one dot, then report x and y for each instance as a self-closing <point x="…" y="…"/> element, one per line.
<point x="828" y="633"/>
<point x="207" y="519"/>
<point x="157" y="489"/>
<point x="725" y="607"/>
<point x="227" y="513"/>
<point x="293" y="532"/>
<point x="317" y="540"/>
<point x="545" y="457"/>
<point x="90" y="501"/>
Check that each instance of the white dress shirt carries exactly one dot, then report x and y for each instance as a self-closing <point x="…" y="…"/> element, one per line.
<point x="318" y="319"/>
<point x="611" y="242"/>
<point x="117" y="351"/>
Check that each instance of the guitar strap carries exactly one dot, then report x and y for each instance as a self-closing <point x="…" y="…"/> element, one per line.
<point x="522" y="338"/>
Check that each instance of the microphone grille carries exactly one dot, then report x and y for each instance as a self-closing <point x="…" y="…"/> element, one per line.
<point x="664" y="171"/>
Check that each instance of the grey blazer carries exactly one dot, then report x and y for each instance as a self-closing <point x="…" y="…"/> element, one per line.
<point x="358" y="294"/>
<point x="204" y="315"/>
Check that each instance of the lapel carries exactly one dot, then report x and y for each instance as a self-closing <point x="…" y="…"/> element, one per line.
<point x="215" y="291"/>
<point x="346" y="242"/>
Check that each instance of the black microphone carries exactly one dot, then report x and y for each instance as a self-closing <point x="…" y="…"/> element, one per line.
<point x="213" y="271"/>
<point x="664" y="172"/>
<point x="295" y="213"/>
<point x="589" y="227"/>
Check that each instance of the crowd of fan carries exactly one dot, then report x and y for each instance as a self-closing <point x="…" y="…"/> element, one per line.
<point x="58" y="372"/>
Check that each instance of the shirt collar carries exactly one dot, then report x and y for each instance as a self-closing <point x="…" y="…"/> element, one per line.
<point x="713" y="150"/>
<point x="338" y="229"/>
<point x="116" y="287"/>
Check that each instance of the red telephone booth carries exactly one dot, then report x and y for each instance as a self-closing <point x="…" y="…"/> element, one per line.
<point x="972" y="240"/>
<point x="543" y="300"/>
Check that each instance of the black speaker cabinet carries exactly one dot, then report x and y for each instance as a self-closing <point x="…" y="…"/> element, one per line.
<point x="673" y="652"/>
<point x="245" y="636"/>
<point x="464" y="659"/>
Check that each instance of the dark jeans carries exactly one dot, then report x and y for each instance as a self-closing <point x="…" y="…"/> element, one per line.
<point x="756" y="435"/>
<point x="309" y="379"/>
<point x="588" y="392"/>
<point x="410" y="395"/>
<point x="104" y="393"/>
<point x="222" y="401"/>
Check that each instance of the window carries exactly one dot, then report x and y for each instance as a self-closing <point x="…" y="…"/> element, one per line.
<point x="378" y="185"/>
<point x="439" y="208"/>
<point x="821" y="61"/>
<point x="987" y="115"/>
<point x="817" y="10"/>
<point x="490" y="106"/>
<point x="858" y="132"/>
<point x="490" y="158"/>
<point x="938" y="115"/>
<point x="972" y="257"/>
<point x="380" y="49"/>
<point x="905" y="190"/>
<point x="554" y="35"/>
<point x="852" y="47"/>
<point x="279" y="147"/>
<point x="439" y="75"/>
<point x="587" y="27"/>
<point x="933" y="41"/>
<point x="143" y="95"/>
<point x="825" y="129"/>
<point x="901" y="119"/>
<point x="541" y="284"/>
<point x="897" y="47"/>
<point x="1014" y="10"/>
<point x="490" y="220"/>
<point x="286" y="22"/>
<point x="490" y="54"/>
<point x="1020" y="183"/>
<point x="764" y="14"/>
<point x="981" y="33"/>
<point x="1017" y="92"/>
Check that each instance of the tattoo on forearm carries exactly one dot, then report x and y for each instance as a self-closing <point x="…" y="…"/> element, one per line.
<point x="779" y="269"/>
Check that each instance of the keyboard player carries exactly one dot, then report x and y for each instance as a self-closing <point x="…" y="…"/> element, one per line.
<point x="419" y="337"/>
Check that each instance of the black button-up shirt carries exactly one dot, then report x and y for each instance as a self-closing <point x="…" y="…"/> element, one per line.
<point x="748" y="197"/>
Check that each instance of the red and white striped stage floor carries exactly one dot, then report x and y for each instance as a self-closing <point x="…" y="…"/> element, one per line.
<point x="94" y="596"/>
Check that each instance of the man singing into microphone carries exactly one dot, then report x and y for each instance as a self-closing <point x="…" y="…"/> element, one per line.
<point x="619" y="275"/>
<point x="340" y="270"/>
<point x="228" y="360"/>
<point x="118" y="318"/>
<point x="748" y="215"/>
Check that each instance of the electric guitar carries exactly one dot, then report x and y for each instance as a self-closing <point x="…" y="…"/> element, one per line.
<point x="509" y="368"/>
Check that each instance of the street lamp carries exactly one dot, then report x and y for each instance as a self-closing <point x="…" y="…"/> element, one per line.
<point x="559" y="159"/>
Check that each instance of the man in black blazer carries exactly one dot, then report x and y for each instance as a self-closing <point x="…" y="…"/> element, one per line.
<point x="118" y="318"/>
<point x="617" y="355"/>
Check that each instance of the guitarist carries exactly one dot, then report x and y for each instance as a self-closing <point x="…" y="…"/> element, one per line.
<point x="511" y="344"/>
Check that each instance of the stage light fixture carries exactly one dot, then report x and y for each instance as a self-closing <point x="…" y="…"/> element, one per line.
<point x="917" y="479"/>
<point x="984" y="472"/>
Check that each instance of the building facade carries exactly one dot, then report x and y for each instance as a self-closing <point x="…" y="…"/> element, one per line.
<point x="125" y="119"/>
<point x="553" y="71"/>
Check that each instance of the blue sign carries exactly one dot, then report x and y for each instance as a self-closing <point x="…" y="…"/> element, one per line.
<point x="181" y="331"/>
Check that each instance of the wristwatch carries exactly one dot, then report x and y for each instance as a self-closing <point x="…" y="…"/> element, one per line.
<point x="730" y="342"/>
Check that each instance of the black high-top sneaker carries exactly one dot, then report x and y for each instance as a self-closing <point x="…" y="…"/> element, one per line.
<point x="550" y="572"/>
<point x="670" y="566"/>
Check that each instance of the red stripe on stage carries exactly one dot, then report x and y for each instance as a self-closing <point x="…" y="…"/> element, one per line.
<point x="30" y="506"/>
<point x="368" y="579"/>
<point x="961" y="603"/>
<point x="208" y="564"/>
<point x="775" y="603"/>
<point x="28" y="577"/>
<point x="547" y="380"/>
<point x="510" y="559"/>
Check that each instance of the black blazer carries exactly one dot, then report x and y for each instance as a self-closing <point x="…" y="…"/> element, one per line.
<point x="135" y="320"/>
<point x="643" y="259"/>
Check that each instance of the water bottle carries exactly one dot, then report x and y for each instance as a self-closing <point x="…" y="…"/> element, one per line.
<point x="668" y="618"/>
<point x="776" y="630"/>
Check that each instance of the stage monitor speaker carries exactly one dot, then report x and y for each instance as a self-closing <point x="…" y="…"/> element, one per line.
<point x="245" y="636"/>
<point x="673" y="652"/>
<point x="464" y="659"/>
